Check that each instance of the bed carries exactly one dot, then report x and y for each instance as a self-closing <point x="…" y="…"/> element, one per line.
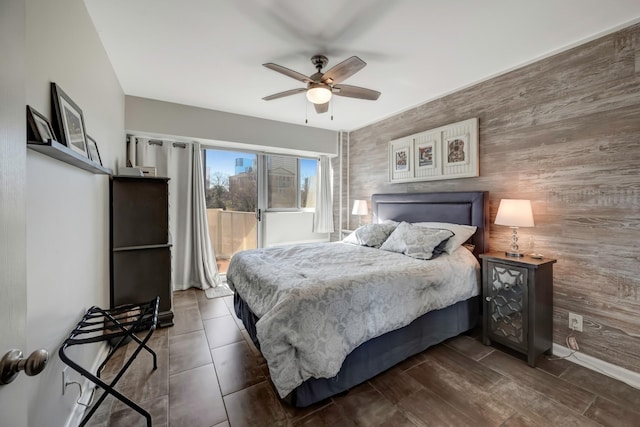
<point x="438" y="318"/>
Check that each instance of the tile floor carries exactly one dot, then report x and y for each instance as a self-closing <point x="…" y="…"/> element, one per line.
<point x="210" y="375"/>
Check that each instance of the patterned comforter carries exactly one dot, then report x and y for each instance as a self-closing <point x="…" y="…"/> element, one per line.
<point x="318" y="302"/>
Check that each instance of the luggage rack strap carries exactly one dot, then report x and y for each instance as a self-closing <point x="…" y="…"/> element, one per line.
<point x="114" y="325"/>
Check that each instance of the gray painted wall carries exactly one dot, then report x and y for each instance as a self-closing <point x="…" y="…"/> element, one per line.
<point x="151" y="117"/>
<point x="67" y="208"/>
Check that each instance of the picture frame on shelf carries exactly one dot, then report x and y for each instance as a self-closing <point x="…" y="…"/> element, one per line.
<point x="69" y="121"/>
<point x="39" y="129"/>
<point x="92" y="148"/>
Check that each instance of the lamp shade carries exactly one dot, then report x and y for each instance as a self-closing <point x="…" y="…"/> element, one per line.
<point x="360" y="207"/>
<point x="515" y="213"/>
<point x="318" y="94"/>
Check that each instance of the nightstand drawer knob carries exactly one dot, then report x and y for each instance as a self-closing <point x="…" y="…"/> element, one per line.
<point x="487" y="299"/>
<point x="506" y="287"/>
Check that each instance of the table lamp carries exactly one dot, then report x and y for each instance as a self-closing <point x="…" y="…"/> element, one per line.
<point x="360" y="208"/>
<point x="514" y="213"/>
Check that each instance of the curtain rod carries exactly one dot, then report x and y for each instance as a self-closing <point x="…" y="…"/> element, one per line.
<point x="159" y="142"/>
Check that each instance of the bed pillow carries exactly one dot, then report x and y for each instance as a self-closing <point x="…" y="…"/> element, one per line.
<point x="416" y="242"/>
<point x="372" y="235"/>
<point x="462" y="233"/>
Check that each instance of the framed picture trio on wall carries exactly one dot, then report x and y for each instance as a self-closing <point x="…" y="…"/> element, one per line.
<point x="446" y="152"/>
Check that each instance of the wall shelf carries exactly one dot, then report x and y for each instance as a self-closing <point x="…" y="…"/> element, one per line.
<point x="63" y="153"/>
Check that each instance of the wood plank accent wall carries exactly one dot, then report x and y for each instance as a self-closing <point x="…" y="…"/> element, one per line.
<point x="565" y="133"/>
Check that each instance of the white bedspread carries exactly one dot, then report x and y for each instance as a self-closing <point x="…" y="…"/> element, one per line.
<point x="318" y="302"/>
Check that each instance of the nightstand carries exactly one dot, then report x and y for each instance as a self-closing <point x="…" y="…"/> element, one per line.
<point x="518" y="303"/>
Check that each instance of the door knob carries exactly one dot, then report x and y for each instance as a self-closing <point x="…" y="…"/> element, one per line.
<point x="12" y="363"/>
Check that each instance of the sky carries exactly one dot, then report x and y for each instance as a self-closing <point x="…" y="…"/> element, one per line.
<point x="225" y="162"/>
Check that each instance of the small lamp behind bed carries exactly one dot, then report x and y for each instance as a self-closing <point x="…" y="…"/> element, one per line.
<point x="360" y="208"/>
<point x="514" y="213"/>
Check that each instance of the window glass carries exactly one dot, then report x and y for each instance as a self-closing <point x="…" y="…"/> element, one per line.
<point x="231" y="193"/>
<point x="308" y="178"/>
<point x="291" y="182"/>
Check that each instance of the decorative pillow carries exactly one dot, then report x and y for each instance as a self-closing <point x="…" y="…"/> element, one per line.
<point x="416" y="242"/>
<point x="372" y="235"/>
<point x="462" y="233"/>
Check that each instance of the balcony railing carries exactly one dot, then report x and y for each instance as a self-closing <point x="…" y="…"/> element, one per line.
<point x="231" y="232"/>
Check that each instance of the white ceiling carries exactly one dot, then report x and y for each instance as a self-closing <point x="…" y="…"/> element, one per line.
<point x="208" y="53"/>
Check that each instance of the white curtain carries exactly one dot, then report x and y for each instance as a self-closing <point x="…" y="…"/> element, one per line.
<point x="192" y="260"/>
<point x="204" y="269"/>
<point x="323" y="219"/>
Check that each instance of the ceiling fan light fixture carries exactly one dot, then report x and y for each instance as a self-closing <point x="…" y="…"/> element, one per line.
<point x="318" y="94"/>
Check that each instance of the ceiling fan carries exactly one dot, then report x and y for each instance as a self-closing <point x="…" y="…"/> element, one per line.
<point x="321" y="86"/>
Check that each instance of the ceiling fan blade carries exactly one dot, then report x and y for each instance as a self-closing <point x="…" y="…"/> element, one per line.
<point x="343" y="70"/>
<point x="285" y="93"/>
<point x="356" y="92"/>
<point x="287" y="72"/>
<point x="322" y="108"/>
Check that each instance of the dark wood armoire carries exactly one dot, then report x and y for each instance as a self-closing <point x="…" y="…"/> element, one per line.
<point x="140" y="248"/>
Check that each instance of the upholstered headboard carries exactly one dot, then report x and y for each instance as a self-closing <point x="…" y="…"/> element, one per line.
<point x="468" y="208"/>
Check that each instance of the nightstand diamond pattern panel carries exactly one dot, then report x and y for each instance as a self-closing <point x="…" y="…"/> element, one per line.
<point x="508" y="293"/>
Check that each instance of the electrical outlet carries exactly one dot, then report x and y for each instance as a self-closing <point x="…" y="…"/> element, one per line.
<point x="575" y="322"/>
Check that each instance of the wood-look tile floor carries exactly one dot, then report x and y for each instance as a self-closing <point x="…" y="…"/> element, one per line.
<point x="209" y="374"/>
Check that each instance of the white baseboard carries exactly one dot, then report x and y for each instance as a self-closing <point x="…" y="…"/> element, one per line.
<point x="609" y="369"/>
<point x="87" y="388"/>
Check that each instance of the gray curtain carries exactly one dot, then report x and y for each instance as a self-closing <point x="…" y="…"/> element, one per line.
<point x="192" y="259"/>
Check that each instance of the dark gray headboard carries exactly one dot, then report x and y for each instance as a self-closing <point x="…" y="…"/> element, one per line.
<point x="469" y="208"/>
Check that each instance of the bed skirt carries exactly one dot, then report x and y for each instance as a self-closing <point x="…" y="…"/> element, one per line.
<point x="378" y="354"/>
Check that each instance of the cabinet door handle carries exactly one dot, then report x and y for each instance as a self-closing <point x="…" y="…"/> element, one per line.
<point x="488" y="299"/>
<point x="506" y="287"/>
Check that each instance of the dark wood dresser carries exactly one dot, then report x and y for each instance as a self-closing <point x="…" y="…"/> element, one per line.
<point x="140" y="250"/>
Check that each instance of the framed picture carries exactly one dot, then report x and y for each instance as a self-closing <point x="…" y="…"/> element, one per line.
<point x="401" y="160"/>
<point x="92" y="148"/>
<point x="69" y="121"/>
<point x="39" y="127"/>
<point x="457" y="150"/>
<point x="425" y="155"/>
<point x="445" y="152"/>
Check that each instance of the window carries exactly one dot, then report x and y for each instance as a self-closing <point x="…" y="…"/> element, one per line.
<point x="308" y="179"/>
<point x="231" y="191"/>
<point x="291" y="182"/>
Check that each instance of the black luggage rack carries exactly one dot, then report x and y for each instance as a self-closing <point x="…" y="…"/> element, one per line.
<point x="117" y="325"/>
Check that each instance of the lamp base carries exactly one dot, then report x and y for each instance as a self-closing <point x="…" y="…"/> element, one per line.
<point x="514" y="254"/>
<point x="514" y="249"/>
